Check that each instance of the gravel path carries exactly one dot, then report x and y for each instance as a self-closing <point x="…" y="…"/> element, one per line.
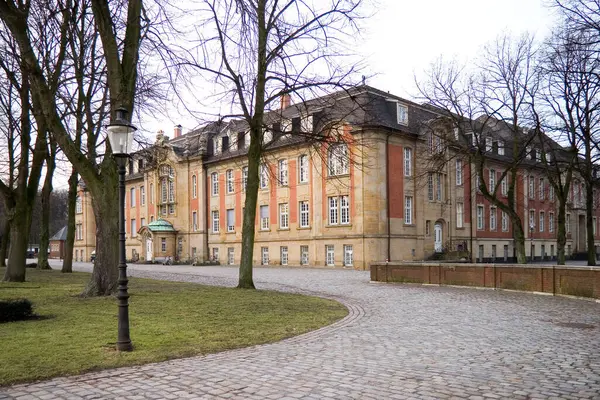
<point x="398" y="342"/>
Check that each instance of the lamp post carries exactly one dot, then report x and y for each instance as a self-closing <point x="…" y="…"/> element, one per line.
<point x="120" y="136"/>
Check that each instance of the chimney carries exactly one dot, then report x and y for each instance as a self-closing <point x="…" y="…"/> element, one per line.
<point x="286" y="99"/>
<point x="177" y="131"/>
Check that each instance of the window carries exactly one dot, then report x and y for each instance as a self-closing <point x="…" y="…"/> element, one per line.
<point x="163" y="244"/>
<point x="504" y="185"/>
<point x="531" y="219"/>
<point x="480" y="223"/>
<point x="303" y="169"/>
<point x="283" y="172"/>
<point x="478" y="182"/>
<point x="501" y="147"/>
<point x="79" y="232"/>
<point x="229" y="178"/>
<point x="304" y="255"/>
<point x="460" y="215"/>
<point x="542" y="220"/>
<point x="152" y="193"/>
<point x="171" y="190"/>
<point x="244" y="178"/>
<point x="306" y="123"/>
<point x="407" y="161"/>
<point x="215" y="254"/>
<point x="531" y="187"/>
<point x="459" y="172"/>
<point x="171" y="209"/>
<point x="551" y="193"/>
<point x="304" y="215"/>
<point x="142" y="195"/>
<point x="78" y="205"/>
<point x="215" y="221"/>
<point x="194" y="186"/>
<point x="230" y="220"/>
<point x="264" y="176"/>
<point x="427" y="228"/>
<point x="568" y="223"/>
<point x="348" y="255"/>
<point x="132" y="197"/>
<point x="344" y="210"/>
<point x="492" y="180"/>
<point x="408" y="202"/>
<point x="338" y="159"/>
<point x="230" y="255"/>
<point x="493" y="216"/>
<point x="542" y="189"/>
<point x="264" y="217"/>
<point x="333" y="211"/>
<point x="284" y="216"/>
<point x="488" y="144"/>
<point x="438" y="187"/>
<point x="504" y="222"/>
<point x="194" y="221"/>
<point x="133" y="228"/>
<point x="430" y="186"/>
<point x="214" y="180"/>
<point x="329" y="255"/>
<point x="152" y="218"/>
<point x="264" y="256"/>
<point x="551" y="222"/>
<point x="142" y="222"/>
<point x="528" y="152"/>
<point x="402" y="114"/>
<point x="283" y="255"/>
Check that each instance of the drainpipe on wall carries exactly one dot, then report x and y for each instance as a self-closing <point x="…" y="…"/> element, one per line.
<point x="387" y="195"/>
<point x="471" y="194"/>
<point x="207" y="210"/>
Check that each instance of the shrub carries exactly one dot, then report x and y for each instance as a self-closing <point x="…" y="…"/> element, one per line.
<point x="15" y="310"/>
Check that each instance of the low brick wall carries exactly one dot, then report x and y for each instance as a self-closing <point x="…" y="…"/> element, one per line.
<point x="553" y="279"/>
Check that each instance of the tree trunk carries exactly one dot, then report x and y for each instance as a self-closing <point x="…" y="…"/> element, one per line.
<point x="4" y="243"/>
<point x="19" y="234"/>
<point x="519" y="237"/>
<point x="589" y="216"/>
<point x="561" y="234"/>
<point x="106" y="212"/>
<point x="67" y="265"/>
<point x="245" y="276"/>
<point x="45" y="234"/>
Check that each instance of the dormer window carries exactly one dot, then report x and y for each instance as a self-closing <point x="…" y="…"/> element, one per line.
<point x="488" y="144"/>
<point x="306" y="124"/>
<point x="501" y="147"/>
<point x="224" y="144"/>
<point x="402" y="113"/>
<point x="528" y="152"/>
<point x="216" y="147"/>
<point x="267" y="136"/>
<point x="241" y="140"/>
<point x="285" y="125"/>
<point x="538" y="155"/>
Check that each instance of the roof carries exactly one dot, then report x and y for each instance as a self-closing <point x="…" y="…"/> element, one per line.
<point x="160" y="225"/>
<point x="60" y="235"/>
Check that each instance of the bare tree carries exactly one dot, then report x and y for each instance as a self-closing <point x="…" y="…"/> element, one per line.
<point x="258" y="52"/>
<point x="119" y="26"/>
<point x="46" y="208"/>
<point x="487" y="106"/>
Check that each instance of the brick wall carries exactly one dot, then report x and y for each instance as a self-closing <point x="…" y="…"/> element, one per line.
<point x="582" y="282"/>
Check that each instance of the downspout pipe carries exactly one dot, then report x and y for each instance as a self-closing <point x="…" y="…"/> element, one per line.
<point x="387" y="195"/>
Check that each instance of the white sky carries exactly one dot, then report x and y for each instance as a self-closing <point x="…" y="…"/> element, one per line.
<point x="403" y="37"/>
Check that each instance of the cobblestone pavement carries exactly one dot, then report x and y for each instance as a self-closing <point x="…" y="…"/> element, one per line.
<point x="398" y="342"/>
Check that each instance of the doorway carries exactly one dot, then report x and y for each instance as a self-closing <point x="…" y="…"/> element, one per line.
<point x="148" y="249"/>
<point x="437" y="234"/>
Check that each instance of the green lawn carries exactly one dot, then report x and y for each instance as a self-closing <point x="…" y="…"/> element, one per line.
<point x="167" y="319"/>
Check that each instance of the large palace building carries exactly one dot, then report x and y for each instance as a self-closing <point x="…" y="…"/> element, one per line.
<point x="369" y="195"/>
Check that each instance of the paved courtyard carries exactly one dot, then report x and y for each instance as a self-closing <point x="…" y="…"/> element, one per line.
<point x="398" y="342"/>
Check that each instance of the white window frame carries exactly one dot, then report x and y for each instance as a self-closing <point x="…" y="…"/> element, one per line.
<point x="531" y="193"/>
<point x="303" y="168"/>
<point x="460" y="212"/>
<point x="194" y="186"/>
<point x="78" y="205"/>
<point x="264" y="221"/>
<point x="501" y="147"/>
<point x="492" y="180"/>
<point x="283" y="172"/>
<point x="430" y="195"/>
<point x="407" y="161"/>
<point x="551" y="192"/>
<point x="214" y="183"/>
<point x="230" y="223"/>
<point x="459" y="172"/>
<point x="333" y="218"/>
<point x="531" y="219"/>
<point x="229" y="181"/>
<point x="264" y="176"/>
<point x="504" y="186"/>
<point x="504" y="222"/>
<point x="142" y="195"/>
<point x="480" y="218"/>
<point x="304" y="214"/>
<point x="348" y="255"/>
<point x="493" y="218"/>
<point x="551" y="222"/>
<point x="542" y="188"/>
<point x="408" y="213"/>
<point x="283" y="255"/>
<point x="244" y="178"/>
<point x="402" y="114"/>
<point x="542" y="221"/>
<point x="264" y="255"/>
<point x="304" y="256"/>
<point x="215" y="221"/>
<point x="194" y="221"/>
<point x="344" y="210"/>
<point x="329" y="255"/>
<point x="338" y="160"/>
<point x="284" y="216"/>
<point x="163" y="245"/>
<point x="132" y="197"/>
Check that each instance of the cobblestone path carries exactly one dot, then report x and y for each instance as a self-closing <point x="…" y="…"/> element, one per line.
<point x="398" y="342"/>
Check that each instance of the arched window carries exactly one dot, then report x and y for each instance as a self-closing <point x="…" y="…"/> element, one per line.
<point x="78" y="205"/>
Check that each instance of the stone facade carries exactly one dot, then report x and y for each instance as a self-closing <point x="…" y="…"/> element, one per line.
<point x="318" y="207"/>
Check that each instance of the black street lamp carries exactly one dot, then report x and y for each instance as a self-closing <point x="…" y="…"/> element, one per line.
<point x="120" y="136"/>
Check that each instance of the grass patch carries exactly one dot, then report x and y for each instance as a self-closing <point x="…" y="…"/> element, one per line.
<point x="167" y="320"/>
